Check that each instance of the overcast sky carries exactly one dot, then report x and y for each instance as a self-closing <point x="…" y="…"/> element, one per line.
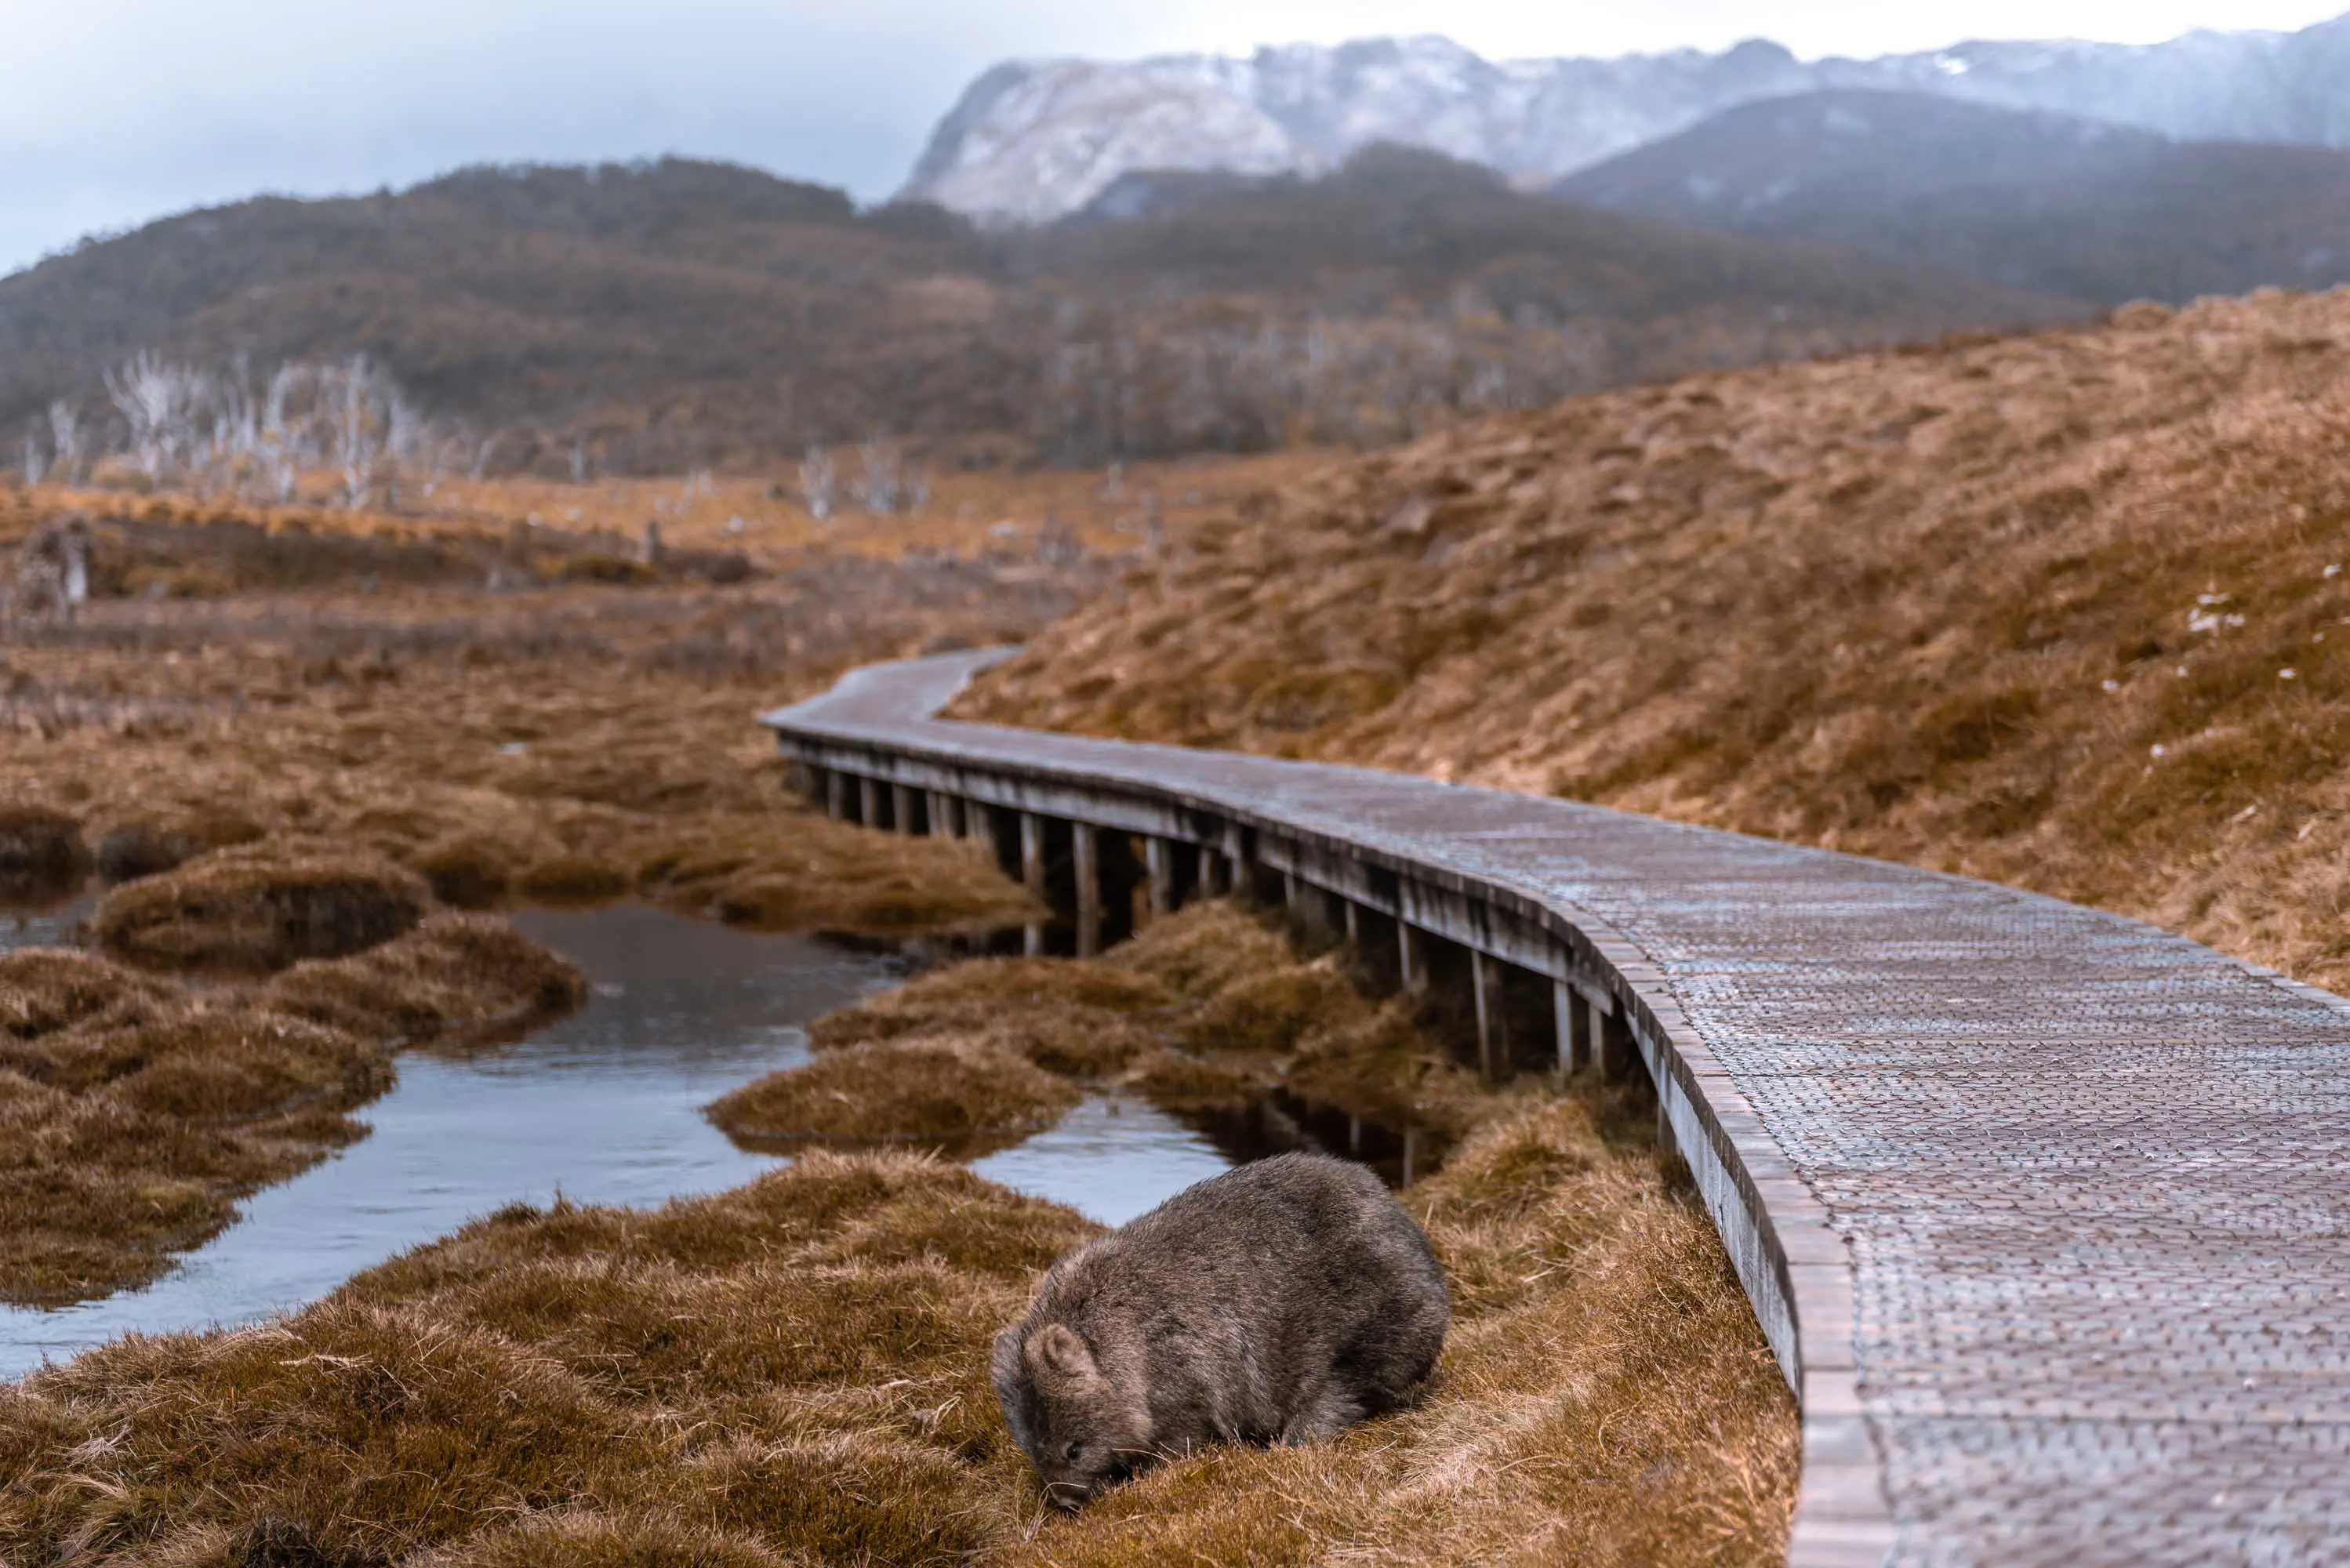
<point x="116" y="111"/>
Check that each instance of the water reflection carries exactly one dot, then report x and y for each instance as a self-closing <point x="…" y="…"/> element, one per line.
<point x="606" y="1107"/>
<point x="51" y="925"/>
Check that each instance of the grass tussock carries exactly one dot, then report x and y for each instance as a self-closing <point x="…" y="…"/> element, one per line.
<point x="964" y="1095"/>
<point x="455" y="979"/>
<point x="2066" y="612"/>
<point x="795" y="1372"/>
<point x="803" y="871"/>
<point x="1209" y="1009"/>
<point x="257" y="909"/>
<point x="133" y="1117"/>
<point x="149" y="848"/>
<point x="130" y="1134"/>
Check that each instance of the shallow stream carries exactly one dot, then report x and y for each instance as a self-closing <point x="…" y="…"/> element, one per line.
<point x="604" y="1106"/>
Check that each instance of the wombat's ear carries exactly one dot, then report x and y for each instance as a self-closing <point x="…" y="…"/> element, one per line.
<point x="1057" y="1352"/>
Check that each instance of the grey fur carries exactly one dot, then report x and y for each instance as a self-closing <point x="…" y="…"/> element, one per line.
<point x="1280" y="1303"/>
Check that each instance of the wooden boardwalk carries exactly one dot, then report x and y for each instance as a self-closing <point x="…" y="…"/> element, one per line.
<point x="2046" y="1213"/>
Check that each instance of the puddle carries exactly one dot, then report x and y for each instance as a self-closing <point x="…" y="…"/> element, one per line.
<point x="605" y="1107"/>
<point x="46" y="925"/>
<point x="1111" y="1158"/>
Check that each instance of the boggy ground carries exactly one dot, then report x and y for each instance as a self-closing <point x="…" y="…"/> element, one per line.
<point x="1204" y="1012"/>
<point x="2065" y="610"/>
<point x="795" y="1372"/>
<point x="135" y="1113"/>
<point x="289" y="738"/>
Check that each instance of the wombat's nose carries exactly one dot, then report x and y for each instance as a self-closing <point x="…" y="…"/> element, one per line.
<point x="1066" y="1496"/>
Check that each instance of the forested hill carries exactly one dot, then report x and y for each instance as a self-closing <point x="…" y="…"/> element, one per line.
<point x="662" y="314"/>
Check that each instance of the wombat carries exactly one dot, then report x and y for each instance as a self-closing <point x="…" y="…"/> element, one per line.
<point x="1280" y="1303"/>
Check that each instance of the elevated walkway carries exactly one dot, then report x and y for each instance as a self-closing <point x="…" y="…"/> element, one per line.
<point x="2044" y="1212"/>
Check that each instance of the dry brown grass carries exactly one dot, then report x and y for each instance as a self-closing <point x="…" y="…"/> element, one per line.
<point x="1211" y="1008"/>
<point x="257" y="909"/>
<point x="795" y="1372"/>
<point x="324" y="721"/>
<point x="1606" y="1397"/>
<point x="134" y="1116"/>
<point x="455" y="980"/>
<point x="2057" y="610"/>
<point x="963" y="1096"/>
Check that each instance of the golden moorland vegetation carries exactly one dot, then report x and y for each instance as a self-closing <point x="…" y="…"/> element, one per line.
<point x="2066" y="610"/>
<point x="795" y="1372"/>
<point x="299" y="743"/>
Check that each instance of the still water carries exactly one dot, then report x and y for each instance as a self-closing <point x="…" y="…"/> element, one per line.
<point x="602" y="1108"/>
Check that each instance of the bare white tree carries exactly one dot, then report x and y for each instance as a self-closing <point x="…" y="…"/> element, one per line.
<point x="35" y="464"/>
<point x="819" y="484"/>
<point x="159" y="400"/>
<point x="888" y="481"/>
<point x="65" y="439"/>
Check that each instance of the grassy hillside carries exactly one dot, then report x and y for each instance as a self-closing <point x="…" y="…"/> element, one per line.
<point x="2033" y="201"/>
<point x="2069" y="611"/>
<point x="682" y="313"/>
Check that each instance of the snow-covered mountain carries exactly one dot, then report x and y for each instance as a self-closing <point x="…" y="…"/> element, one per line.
<point x="1033" y="141"/>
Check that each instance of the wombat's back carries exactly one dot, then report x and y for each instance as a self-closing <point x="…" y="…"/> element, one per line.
<point x="1284" y="1299"/>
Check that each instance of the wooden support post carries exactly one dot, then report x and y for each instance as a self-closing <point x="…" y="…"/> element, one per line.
<point x="1481" y="984"/>
<point x="1032" y="852"/>
<point x="868" y="801"/>
<point x="1415" y="961"/>
<point x="1210" y="864"/>
<point x="1563" y="1004"/>
<point x="1619" y="1057"/>
<point x="1354" y="923"/>
<point x="1594" y="1032"/>
<point x="1158" y="862"/>
<point x="1085" y="845"/>
<point x="836" y="795"/>
<point x="942" y="814"/>
<point x="901" y="808"/>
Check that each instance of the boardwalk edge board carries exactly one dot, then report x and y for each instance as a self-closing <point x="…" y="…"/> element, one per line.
<point x="878" y="726"/>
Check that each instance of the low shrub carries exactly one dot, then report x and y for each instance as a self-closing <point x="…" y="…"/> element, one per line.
<point x="454" y="980"/>
<point x="466" y="874"/>
<point x="136" y="849"/>
<point x="953" y="1092"/>
<point x="258" y="909"/>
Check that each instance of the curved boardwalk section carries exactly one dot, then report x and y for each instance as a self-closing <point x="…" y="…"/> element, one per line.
<point x="2043" y="1211"/>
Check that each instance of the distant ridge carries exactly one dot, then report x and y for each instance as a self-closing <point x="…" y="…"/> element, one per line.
<point x="653" y="317"/>
<point x="2028" y="200"/>
<point x="1031" y="142"/>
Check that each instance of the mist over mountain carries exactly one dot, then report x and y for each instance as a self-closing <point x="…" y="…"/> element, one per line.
<point x="1031" y="142"/>
<point x="2027" y="199"/>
